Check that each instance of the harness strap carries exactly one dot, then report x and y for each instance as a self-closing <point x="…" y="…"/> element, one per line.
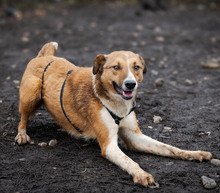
<point x="61" y="101"/>
<point x="45" y="69"/>
<point x="116" y="118"/>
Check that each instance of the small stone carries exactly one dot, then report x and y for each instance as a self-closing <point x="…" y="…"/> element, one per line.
<point x="157" y="119"/>
<point x="110" y="28"/>
<point x="16" y="81"/>
<point x="210" y="64"/>
<point x="5" y="134"/>
<point x="160" y="39"/>
<point x="0" y="101"/>
<point x="173" y="83"/>
<point x="150" y="127"/>
<point x="159" y="82"/>
<point x="215" y="162"/>
<point x="213" y="39"/>
<point x="175" y="72"/>
<point x="154" y="72"/>
<point x="208" y="183"/>
<point x="167" y="128"/>
<point x="53" y="142"/>
<point x="25" y="39"/>
<point x="140" y="27"/>
<point x="134" y="44"/>
<point x="8" y="78"/>
<point x="93" y="24"/>
<point x="143" y="43"/>
<point x="13" y="66"/>
<point x="42" y="144"/>
<point x="22" y="159"/>
<point x="157" y="30"/>
<point x="153" y="59"/>
<point x="189" y="82"/>
<point x="135" y="34"/>
<point x="32" y="142"/>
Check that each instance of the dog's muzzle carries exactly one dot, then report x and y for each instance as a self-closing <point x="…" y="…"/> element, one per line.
<point x="126" y="90"/>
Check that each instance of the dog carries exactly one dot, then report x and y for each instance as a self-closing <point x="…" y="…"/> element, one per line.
<point x="95" y="102"/>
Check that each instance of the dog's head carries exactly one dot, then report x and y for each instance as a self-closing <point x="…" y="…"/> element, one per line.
<point x="120" y="73"/>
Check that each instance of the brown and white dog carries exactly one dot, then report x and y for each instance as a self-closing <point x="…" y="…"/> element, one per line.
<point x="96" y="103"/>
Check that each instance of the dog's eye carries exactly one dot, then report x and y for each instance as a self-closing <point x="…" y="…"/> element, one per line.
<point x="136" y="67"/>
<point x="116" y="67"/>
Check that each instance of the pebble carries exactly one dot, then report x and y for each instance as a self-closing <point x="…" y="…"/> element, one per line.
<point x="16" y="81"/>
<point x="154" y="72"/>
<point x="215" y="162"/>
<point x="32" y="142"/>
<point x="157" y="29"/>
<point x="25" y="39"/>
<point x="13" y="66"/>
<point x="210" y="64"/>
<point x="150" y="127"/>
<point x="143" y="43"/>
<point x="213" y="39"/>
<point x="208" y="183"/>
<point x="160" y="39"/>
<point x="157" y="119"/>
<point x="93" y="24"/>
<point x="42" y="144"/>
<point x="139" y="27"/>
<point x="167" y="128"/>
<point x="189" y="82"/>
<point x="0" y="101"/>
<point x="8" y="78"/>
<point x="159" y="82"/>
<point x="53" y="142"/>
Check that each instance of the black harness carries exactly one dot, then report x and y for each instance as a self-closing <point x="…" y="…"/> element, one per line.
<point x="61" y="94"/>
<point x="116" y="118"/>
<point x="61" y="101"/>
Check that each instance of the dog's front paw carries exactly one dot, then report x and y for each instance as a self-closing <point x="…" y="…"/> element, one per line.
<point x="143" y="178"/>
<point x="197" y="155"/>
<point x="202" y="155"/>
<point x="22" y="138"/>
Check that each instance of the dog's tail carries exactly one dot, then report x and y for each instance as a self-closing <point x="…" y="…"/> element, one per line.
<point x="49" y="49"/>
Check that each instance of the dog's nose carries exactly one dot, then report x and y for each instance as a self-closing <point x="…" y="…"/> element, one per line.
<point x="130" y="84"/>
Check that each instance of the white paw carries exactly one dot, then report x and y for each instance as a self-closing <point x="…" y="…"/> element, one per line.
<point x="143" y="178"/>
<point x="202" y="155"/>
<point x="22" y="138"/>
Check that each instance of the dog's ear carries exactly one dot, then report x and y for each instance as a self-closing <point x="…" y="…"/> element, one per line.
<point x="143" y="63"/>
<point x="98" y="63"/>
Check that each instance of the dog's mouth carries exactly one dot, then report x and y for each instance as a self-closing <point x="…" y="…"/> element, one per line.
<point x="125" y="94"/>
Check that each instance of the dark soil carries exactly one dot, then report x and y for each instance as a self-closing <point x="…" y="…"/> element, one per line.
<point x="188" y="102"/>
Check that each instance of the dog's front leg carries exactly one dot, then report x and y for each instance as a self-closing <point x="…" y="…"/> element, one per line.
<point x="134" y="139"/>
<point x="107" y="136"/>
<point x="116" y="156"/>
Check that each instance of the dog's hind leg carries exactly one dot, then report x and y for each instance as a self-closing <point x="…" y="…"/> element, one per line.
<point x="30" y="101"/>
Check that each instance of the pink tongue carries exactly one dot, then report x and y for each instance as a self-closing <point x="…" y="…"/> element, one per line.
<point x="127" y="93"/>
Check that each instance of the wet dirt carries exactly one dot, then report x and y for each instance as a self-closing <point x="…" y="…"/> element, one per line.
<point x="174" y="42"/>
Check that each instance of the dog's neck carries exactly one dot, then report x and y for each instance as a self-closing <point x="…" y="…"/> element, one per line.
<point x="113" y="102"/>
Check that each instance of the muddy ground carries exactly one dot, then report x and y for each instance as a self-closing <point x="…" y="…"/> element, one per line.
<point x="175" y="42"/>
